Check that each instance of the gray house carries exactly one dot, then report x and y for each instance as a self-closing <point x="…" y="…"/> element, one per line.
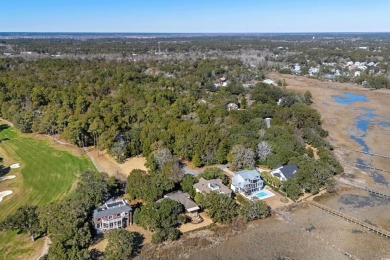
<point x="247" y="182"/>
<point x="184" y="198"/>
<point x="112" y="215"/>
<point x="285" y="172"/>
<point x="206" y="186"/>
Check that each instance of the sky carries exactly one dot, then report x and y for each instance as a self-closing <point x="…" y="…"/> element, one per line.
<point x="194" y="16"/>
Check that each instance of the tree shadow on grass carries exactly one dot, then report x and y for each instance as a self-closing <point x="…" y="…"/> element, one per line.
<point x="138" y="241"/>
<point x="96" y="254"/>
<point x="3" y="127"/>
<point x="4" y="139"/>
<point x="4" y="170"/>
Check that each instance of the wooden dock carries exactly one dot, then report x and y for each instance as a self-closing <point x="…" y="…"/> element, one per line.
<point x="334" y="212"/>
<point x="371" y="191"/>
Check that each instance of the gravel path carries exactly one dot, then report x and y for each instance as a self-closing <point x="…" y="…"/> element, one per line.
<point x="7" y="122"/>
<point x="46" y="245"/>
<point x="93" y="160"/>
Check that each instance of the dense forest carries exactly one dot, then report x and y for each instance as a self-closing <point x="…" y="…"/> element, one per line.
<point x="133" y="108"/>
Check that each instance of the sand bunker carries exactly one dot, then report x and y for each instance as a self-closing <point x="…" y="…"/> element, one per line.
<point x="4" y="193"/>
<point x="15" y="166"/>
<point x="7" y="177"/>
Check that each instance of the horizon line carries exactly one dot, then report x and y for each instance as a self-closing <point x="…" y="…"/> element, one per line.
<point x="102" y="32"/>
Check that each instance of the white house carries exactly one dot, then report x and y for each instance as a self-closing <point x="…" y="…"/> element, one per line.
<point x="313" y="71"/>
<point x="285" y="172"/>
<point x="247" y="182"/>
<point x="232" y="106"/>
<point x="268" y="121"/>
<point x="269" y="81"/>
<point x="297" y="68"/>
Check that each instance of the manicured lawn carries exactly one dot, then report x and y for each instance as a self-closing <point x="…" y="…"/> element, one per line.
<point x="46" y="175"/>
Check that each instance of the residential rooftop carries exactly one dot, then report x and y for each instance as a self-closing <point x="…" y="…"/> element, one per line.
<point x="184" y="199"/>
<point x="111" y="208"/>
<point x="206" y="186"/>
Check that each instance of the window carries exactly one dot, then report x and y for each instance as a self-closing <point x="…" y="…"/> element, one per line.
<point x="110" y="217"/>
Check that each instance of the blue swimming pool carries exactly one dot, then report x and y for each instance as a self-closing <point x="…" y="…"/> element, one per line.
<point x="264" y="194"/>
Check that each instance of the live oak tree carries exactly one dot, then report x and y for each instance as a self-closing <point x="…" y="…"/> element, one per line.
<point x="220" y="207"/>
<point x="139" y="185"/>
<point x="161" y="218"/>
<point x="25" y="219"/>
<point x="187" y="183"/>
<point x="214" y="173"/>
<point x="254" y="209"/>
<point x="121" y="244"/>
<point x="292" y="189"/>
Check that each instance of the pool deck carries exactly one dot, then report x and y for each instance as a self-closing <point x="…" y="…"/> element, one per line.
<point x="265" y="189"/>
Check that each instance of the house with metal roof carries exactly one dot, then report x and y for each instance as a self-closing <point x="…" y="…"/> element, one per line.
<point x="207" y="186"/>
<point x="285" y="172"/>
<point x="247" y="182"/>
<point x="112" y="215"/>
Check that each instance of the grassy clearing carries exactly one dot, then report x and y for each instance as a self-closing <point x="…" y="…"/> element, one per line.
<point x="46" y="175"/>
<point x="18" y="246"/>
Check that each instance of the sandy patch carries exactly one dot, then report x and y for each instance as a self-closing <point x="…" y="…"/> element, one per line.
<point x="10" y="177"/>
<point x="315" y="151"/>
<point x="147" y="235"/>
<point x="46" y="245"/>
<point x="5" y="193"/>
<point x="112" y="168"/>
<point x="190" y="226"/>
<point x="275" y="201"/>
<point x="100" y="246"/>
